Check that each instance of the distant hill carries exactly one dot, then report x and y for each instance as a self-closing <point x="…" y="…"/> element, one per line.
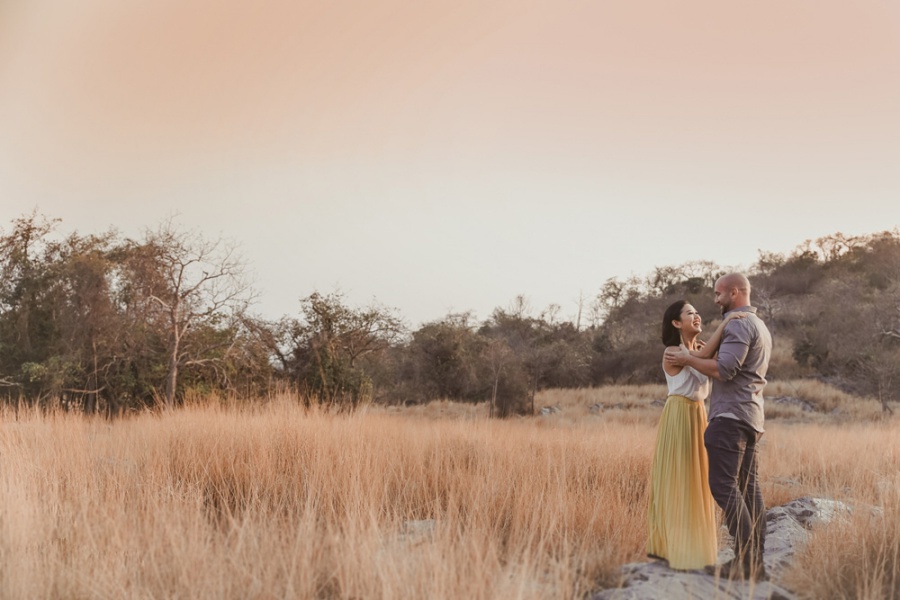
<point x="833" y="306"/>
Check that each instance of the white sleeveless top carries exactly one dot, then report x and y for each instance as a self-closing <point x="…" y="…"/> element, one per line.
<point x="689" y="383"/>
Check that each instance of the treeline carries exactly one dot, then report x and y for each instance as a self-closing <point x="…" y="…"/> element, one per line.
<point x="108" y="323"/>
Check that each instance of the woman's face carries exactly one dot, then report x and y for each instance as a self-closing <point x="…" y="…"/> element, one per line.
<point x="689" y="321"/>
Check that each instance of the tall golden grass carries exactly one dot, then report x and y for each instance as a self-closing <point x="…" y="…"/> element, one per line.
<point x="278" y="501"/>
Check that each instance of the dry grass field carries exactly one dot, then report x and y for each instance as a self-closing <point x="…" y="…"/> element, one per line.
<point x="277" y="501"/>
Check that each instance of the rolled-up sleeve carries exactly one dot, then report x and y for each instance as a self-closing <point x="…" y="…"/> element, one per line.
<point x="733" y="349"/>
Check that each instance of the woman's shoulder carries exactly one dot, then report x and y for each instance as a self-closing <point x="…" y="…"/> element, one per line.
<point x="671" y="370"/>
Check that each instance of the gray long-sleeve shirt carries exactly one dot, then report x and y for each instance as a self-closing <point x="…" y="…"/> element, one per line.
<point x="743" y="361"/>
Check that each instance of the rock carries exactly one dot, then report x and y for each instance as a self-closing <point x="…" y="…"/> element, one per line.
<point x="810" y="512"/>
<point x="596" y="408"/>
<point x="417" y="526"/>
<point x="550" y="410"/>
<point x="785" y="481"/>
<point x="416" y="531"/>
<point x="792" y="401"/>
<point x="652" y="581"/>
<point x="787" y="528"/>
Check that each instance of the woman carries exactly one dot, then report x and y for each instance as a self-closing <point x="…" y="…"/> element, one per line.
<point x="682" y="514"/>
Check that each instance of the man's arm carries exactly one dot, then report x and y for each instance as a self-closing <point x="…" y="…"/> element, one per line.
<point x="732" y="353"/>
<point x="730" y="360"/>
<point x="733" y="350"/>
<point x="681" y="357"/>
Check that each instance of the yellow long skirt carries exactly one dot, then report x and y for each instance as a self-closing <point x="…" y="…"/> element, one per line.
<point x="682" y="515"/>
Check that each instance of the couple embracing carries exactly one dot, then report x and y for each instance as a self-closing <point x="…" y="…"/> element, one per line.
<point x="697" y="462"/>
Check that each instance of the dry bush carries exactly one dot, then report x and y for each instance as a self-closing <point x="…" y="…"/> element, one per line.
<point x="618" y="403"/>
<point x="627" y="396"/>
<point x="825" y="399"/>
<point x="438" y="409"/>
<point x="633" y="404"/>
<point x="782" y="364"/>
<point x="643" y="403"/>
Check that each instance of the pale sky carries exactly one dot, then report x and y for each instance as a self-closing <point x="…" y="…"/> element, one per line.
<point x="443" y="156"/>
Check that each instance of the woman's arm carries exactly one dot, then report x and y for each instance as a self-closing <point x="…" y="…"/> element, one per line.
<point x="709" y="349"/>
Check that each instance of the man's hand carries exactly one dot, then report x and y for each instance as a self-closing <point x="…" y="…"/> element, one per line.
<point x="677" y="356"/>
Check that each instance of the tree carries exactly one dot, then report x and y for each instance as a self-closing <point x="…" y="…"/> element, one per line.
<point x="186" y="283"/>
<point x="769" y="305"/>
<point x="499" y="356"/>
<point x="254" y="359"/>
<point x="26" y="254"/>
<point x="527" y="354"/>
<point x="881" y="365"/>
<point x="846" y="335"/>
<point x="663" y="279"/>
<point x="442" y="360"/>
<point x="613" y="295"/>
<point x="58" y="310"/>
<point x="89" y="321"/>
<point x="335" y="347"/>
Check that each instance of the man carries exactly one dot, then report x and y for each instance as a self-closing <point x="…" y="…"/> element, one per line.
<point x="736" y="424"/>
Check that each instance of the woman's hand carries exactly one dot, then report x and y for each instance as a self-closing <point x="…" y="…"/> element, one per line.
<point x="735" y="315"/>
<point x="709" y="349"/>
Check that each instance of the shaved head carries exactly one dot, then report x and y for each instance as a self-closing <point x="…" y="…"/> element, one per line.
<point x="732" y="291"/>
<point x="738" y="281"/>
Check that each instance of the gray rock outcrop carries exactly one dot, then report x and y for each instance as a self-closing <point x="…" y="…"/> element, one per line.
<point x="787" y="528"/>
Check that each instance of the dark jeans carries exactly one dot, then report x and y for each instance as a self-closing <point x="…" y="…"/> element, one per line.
<point x="733" y="449"/>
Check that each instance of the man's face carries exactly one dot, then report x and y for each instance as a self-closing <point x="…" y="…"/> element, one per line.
<point x="723" y="296"/>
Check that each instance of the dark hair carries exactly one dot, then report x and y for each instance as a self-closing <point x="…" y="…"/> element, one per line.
<point x="671" y="335"/>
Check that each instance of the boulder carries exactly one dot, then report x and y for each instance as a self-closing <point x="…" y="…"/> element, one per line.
<point x="787" y="528"/>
